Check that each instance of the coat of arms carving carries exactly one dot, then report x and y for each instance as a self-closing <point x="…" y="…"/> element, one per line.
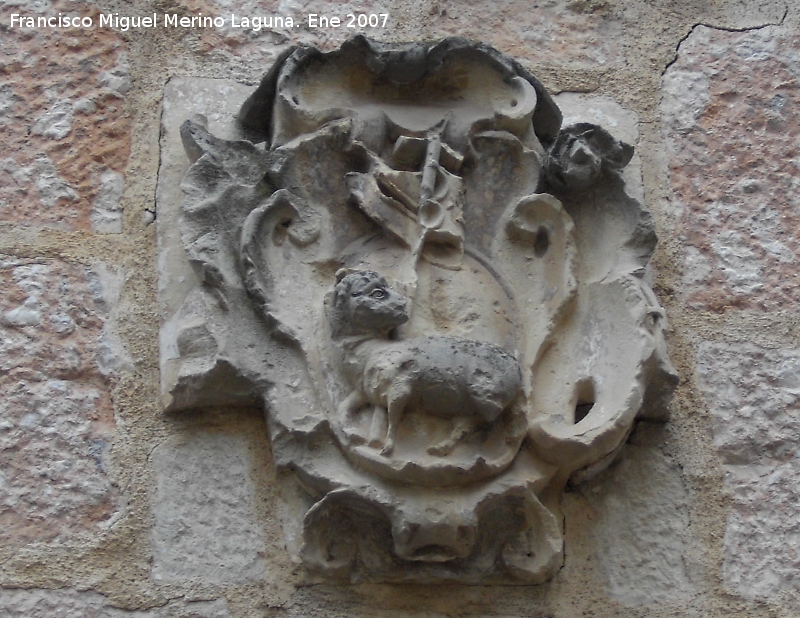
<point x="437" y="294"/>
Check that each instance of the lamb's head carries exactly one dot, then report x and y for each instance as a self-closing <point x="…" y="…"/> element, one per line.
<point x="363" y="303"/>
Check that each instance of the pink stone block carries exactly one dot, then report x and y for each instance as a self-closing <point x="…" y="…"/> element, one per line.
<point x="56" y="417"/>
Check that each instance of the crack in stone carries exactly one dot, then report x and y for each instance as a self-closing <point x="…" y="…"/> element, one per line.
<point x="154" y="208"/>
<point x="724" y="29"/>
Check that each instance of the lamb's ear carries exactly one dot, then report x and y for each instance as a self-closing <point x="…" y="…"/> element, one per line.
<point x="334" y="296"/>
<point x="343" y="272"/>
<point x="340" y="275"/>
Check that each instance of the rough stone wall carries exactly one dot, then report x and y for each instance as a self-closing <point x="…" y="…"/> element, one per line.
<point x="108" y="508"/>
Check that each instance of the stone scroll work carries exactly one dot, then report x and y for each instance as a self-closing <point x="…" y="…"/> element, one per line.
<point x="434" y="290"/>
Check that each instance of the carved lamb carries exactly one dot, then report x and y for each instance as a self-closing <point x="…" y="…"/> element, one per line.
<point x="449" y="377"/>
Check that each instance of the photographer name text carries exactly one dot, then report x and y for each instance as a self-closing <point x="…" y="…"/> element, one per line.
<point x="123" y="23"/>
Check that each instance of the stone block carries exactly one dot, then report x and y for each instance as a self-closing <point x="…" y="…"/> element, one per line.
<point x="66" y="131"/>
<point x="39" y="603"/>
<point x="206" y="527"/>
<point x="578" y="34"/>
<point x="56" y="417"/>
<point x="641" y="521"/>
<point x="753" y="394"/>
<point x="730" y="116"/>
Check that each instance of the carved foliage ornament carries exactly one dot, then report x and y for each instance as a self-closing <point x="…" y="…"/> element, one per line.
<point x="436" y="293"/>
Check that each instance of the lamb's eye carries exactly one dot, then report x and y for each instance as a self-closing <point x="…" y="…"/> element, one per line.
<point x="379" y="294"/>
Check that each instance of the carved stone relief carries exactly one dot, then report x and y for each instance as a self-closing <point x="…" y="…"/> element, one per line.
<point x="435" y="291"/>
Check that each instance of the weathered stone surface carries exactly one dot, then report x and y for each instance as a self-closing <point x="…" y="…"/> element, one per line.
<point x="64" y="121"/>
<point x="330" y="277"/>
<point x="55" y="445"/>
<point x="106" y="214"/>
<point x="204" y="507"/>
<point x="37" y="603"/>
<point x="730" y="114"/>
<point x="640" y="522"/>
<point x="218" y="101"/>
<point x="56" y="419"/>
<point x="753" y="394"/>
<point x="582" y="34"/>
<point x="50" y="186"/>
<point x="615" y="47"/>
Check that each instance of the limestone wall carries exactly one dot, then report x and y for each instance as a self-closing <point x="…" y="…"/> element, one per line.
<point x="109" y="508"/>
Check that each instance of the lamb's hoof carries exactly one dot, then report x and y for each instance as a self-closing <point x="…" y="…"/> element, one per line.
<point x="387" y="450"/>
<point x="353" y="437"/>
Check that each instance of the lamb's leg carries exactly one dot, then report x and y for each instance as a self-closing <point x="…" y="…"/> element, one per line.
<point x="462" y="427"/>
<point x="377" y="428"/>
<point x="347" y="412"/>
<point x="396" y="399"/>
